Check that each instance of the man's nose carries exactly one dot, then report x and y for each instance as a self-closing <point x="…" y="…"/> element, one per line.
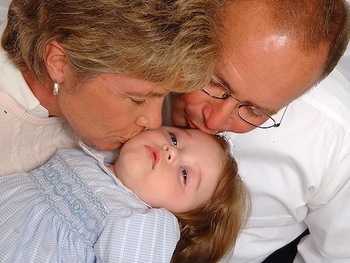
<point x="217" y="115"/>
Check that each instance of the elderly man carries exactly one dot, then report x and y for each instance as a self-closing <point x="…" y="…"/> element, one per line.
<point x="296" y="161"/>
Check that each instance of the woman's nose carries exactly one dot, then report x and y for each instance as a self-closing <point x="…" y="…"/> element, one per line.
<point x="151" y="117"/>
<point x="149" y="121"/>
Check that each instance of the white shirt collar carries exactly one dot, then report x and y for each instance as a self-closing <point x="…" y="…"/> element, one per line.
<point x="14" y="85"/>
<point x="105" y="158"/>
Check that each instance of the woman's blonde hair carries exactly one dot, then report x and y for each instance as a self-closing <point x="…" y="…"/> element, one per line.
<point x="173" y="43"/>
<point x="210" y="231"/>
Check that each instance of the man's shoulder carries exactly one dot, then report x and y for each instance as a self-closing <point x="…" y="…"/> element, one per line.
<point x="330" y="98"/>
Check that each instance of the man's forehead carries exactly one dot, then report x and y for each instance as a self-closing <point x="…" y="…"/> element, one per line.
<point x="270" y="75"/>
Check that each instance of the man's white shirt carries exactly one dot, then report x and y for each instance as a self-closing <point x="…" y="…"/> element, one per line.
<point x="299" y="176"/>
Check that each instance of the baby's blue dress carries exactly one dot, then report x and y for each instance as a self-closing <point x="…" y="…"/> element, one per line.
<point x="72" y="209"/>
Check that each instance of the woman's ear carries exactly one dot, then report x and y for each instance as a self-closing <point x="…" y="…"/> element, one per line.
<point x="56" y="61"/>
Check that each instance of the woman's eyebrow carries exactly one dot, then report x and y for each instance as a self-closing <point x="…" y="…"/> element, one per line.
<point x="148" y="94"/>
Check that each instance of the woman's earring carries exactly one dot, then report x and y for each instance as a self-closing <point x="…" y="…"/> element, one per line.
<point x="56" y="87"/>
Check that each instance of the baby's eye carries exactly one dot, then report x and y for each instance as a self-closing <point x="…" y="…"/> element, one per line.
<point x="184" y="174"/>
<point x="173" y="139"/>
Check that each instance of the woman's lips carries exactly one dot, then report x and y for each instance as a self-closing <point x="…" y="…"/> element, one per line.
<point x="154" y="153"/>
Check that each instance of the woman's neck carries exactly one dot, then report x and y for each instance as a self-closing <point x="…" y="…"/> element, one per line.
<point x="43" y="92"/>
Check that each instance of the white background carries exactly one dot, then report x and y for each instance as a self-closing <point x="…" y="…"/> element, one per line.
<point x="3" y="9"/>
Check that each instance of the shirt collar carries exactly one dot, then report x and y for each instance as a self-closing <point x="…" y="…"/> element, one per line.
<point x="14" y="85"/>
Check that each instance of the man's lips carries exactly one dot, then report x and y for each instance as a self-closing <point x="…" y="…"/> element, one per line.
<point x="191" y="124"/>
<point x="154" y="154"/>
<point x="200" y="126"/>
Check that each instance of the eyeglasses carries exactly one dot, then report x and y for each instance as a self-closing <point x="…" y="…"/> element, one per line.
<point x="248" y="113"/>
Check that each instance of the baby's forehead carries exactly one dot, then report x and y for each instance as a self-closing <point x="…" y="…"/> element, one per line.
<point x="211" y="139"/>
<point x="197" y="134"/>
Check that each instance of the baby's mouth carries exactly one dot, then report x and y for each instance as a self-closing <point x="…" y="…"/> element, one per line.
<point x="154" y="154"/>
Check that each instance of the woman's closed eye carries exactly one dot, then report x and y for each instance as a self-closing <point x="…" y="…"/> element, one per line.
<point x="138" y="102"/>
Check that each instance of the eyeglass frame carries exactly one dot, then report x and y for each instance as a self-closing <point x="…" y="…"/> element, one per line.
<point x="241" y="104"/>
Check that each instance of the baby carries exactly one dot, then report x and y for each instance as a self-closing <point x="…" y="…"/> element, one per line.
<point x="166" y="184"/>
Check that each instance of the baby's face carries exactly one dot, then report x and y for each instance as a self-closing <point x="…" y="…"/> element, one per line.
<point x="171" y="168"/>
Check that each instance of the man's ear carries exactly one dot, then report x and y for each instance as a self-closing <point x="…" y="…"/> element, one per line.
<point x="56" y="61"/>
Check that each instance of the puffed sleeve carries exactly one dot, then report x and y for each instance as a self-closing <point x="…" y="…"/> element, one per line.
<point x="137" y="236"/>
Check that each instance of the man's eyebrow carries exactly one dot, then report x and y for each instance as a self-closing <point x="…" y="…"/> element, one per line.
<point x="268" y="111"/>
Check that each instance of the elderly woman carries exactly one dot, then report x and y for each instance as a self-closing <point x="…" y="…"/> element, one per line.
<point x="97" y="71"/>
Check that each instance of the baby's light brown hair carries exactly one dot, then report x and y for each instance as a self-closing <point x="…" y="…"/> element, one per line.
<point x="210" y="231"/>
